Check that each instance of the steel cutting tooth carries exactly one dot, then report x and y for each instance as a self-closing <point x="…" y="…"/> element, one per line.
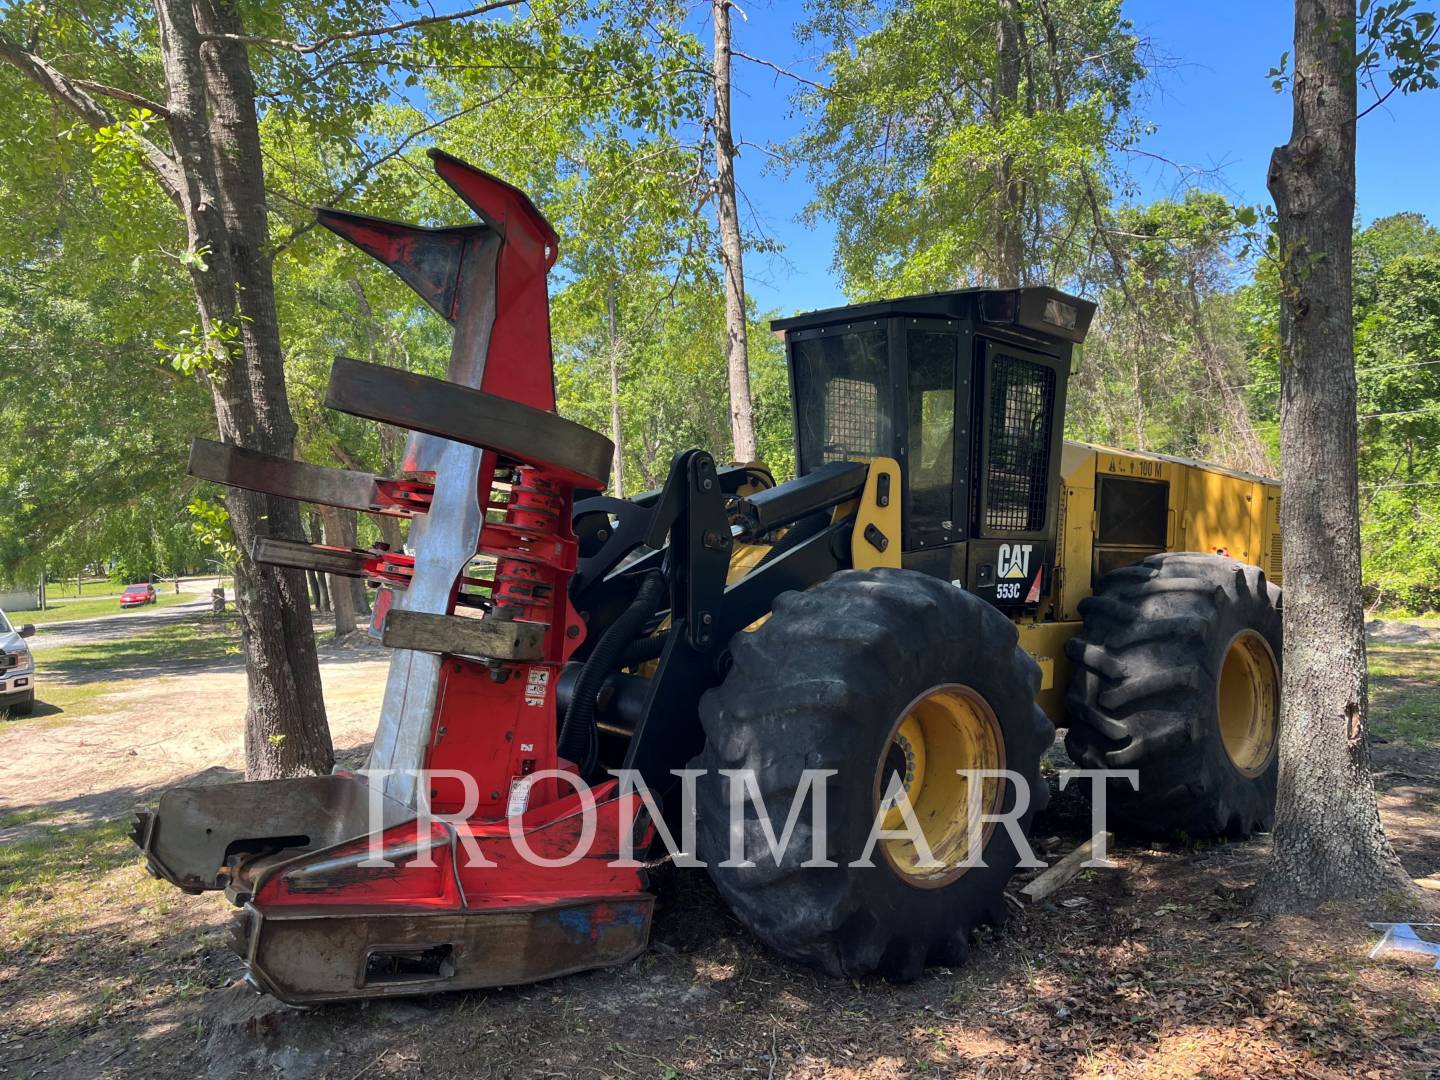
<point x="139" y="827"/>
<point x="239" y="934"/>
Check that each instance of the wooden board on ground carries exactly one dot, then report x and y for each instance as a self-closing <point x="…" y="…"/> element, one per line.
<point x="1065" y="869"/>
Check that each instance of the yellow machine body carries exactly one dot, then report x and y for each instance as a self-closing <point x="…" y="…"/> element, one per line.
<point x="1208" y="509"/>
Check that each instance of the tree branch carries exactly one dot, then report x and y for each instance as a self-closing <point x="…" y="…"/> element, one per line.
<point x="781" y="70"/>
<point x="370" y="31"/>
<point x="55" y="84"/>
<point x="61" y="88"/>
<point x="1395" y="79"/>
<point x="341" y="193"/>
<point x="127" y="96"/>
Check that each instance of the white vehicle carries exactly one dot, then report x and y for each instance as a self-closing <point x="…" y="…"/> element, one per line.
<point x="17" y="669"/>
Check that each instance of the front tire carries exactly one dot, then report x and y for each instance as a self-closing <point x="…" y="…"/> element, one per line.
<point x="1177" y="676"/>
<point x="25" y="706"/>
<point x="877" y="675"/>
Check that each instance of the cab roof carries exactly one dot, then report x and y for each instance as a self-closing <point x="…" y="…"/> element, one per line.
<point x="1038" y="309"/>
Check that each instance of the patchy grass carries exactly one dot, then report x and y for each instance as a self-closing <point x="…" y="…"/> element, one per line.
<point x="73" y="682"/>
<point x="94" y="964"/>
<point x="1427" y="618"/>
<point x="1405" y="693"/>
<point x="31" y="871"/>
<point x="93" y="608"/>
<point x="59" y="703"/>
<point x="24" y="817"/>
<point x="202" y="638"/>
<point x="64" y="588"/>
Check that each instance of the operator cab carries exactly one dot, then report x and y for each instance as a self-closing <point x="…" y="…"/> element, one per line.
<point x="966" y="390"/>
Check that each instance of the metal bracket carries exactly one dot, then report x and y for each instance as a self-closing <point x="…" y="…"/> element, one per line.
<point x="704" y="537"/>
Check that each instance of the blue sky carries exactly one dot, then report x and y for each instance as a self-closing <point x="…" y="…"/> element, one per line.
<point x="1213" y="106"/>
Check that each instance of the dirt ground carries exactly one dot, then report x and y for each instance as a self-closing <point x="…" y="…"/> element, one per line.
<point x="161" y="722"/>
<point x="1159" y="967"/>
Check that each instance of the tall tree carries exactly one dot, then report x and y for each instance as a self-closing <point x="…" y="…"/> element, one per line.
<point x="964" y="142"/>
<point x="737" y="355"/>
<point x="197" y="75"/>
<point x="1328" y="838"/>
<point x="213" y="173"/>
<point x="1009" y="242"/>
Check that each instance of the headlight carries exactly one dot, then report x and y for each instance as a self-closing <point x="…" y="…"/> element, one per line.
<point x="24" y="663"/>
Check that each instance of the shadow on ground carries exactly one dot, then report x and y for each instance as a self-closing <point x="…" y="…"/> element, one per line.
<point x="1157" y="968"/>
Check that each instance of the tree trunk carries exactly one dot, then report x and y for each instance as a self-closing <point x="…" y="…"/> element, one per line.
<point x="219" y="185"/>
<point x="737" y="358"/>
<point x="392" y="529"/>
<point x="1328" y="838"/>
<point x="319" y="583"/>
<point x="617" y="471"/>
<point x="1009" y="204"/>
<point x="390" y="533"/>
<point x="339" y="528"/>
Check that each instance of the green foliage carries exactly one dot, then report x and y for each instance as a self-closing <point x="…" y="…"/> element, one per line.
<point x="906" y="142"/>
<point x="577" y="103"/>
<point x="195" y="350"/>
<point x="1397" y="359"/>
<point x="210" y="524"/>
<point x="1392" y="42"/>
<point x="673" y="388"/>
<point x="1164" y="364"/>
<point x="1397" y="349"/>
<point x="1397" y="43"/>
<point x="93" y="431"/>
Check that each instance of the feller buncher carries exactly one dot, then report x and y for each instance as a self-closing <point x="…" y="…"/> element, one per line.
<point x="944" y="582"/>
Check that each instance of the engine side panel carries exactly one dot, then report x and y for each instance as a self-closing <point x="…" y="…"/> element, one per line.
<point x="1119" y="506"/>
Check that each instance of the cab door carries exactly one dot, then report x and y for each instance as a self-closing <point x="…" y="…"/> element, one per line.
<point x="1019" y="413"/>
<point x="934" y="435"/>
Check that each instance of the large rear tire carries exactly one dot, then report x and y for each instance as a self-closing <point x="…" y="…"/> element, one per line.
<point x="1177" y="676"/>
<point x="874" y="674"/>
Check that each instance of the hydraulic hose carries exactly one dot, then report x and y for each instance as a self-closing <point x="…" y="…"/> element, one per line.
<point x="579" y="741"/>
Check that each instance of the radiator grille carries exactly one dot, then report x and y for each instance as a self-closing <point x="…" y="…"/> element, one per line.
<point x="1275" y="558"/>
<point x="1021" y="399"/>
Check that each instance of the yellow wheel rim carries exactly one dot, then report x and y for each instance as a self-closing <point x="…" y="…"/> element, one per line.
<point x="1248" y="703"/>
<point x="942" y="735"/>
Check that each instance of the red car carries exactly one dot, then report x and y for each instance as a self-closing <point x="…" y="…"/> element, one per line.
<point x="135" y="595"/>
